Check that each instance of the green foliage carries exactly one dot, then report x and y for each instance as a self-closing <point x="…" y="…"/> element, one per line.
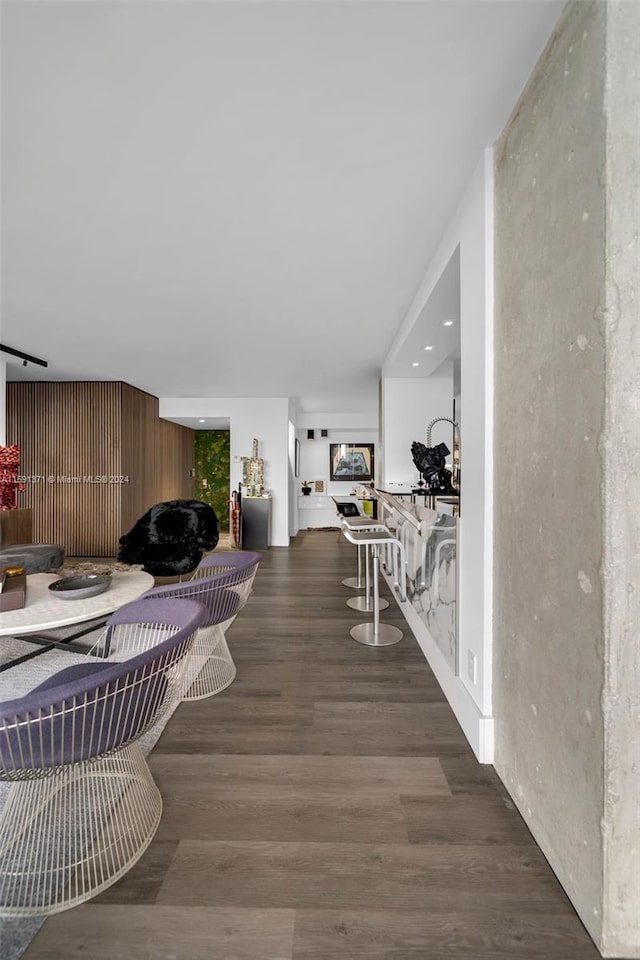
<point x="213" y="471"/>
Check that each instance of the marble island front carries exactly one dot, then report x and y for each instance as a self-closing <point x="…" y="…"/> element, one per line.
<point x="429" y="537"/>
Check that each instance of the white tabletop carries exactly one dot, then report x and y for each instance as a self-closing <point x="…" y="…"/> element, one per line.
<point x="44" y="611"/>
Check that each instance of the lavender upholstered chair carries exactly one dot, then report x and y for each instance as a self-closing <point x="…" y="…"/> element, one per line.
<point x="222" y="584"/>
<point x="83" y="806"/>
<point x="242" y="563"/>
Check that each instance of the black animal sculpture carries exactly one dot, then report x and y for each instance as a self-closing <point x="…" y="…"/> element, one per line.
<point x="430" y="462"/>
<point x="171" y="537"/>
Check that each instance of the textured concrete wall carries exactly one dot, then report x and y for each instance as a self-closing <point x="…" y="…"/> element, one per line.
<point x="567" y="441"/>
<point x="621" y="452"/>
<point x="549" y="410"/>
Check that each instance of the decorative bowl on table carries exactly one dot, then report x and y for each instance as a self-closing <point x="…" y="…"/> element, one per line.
<point x="81" y="587"/>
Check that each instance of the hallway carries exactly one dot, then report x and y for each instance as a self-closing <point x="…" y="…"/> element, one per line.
<point x="325" y="807"/>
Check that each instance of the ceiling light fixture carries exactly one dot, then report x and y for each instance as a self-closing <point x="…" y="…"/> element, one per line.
<point x="201" y="421"/>
<point x="428" y="348"/>
<point x="25" y="357"/>
<point x="415" y="364"/>
<point x="448" y="323"/>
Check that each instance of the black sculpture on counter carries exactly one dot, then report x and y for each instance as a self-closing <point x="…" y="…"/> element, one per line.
<point x="431" y="462"/>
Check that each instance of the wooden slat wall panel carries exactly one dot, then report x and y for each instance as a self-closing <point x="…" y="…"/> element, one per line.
<point x="69" y="434"/>
<point x="156" y="455"/>
<point x="16" y="526"/>
<point x="174" y="457"/>
<point x="139" y="414"/>
<point x="88" y="430"/>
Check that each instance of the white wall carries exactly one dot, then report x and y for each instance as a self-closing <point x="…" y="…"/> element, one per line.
<point x="472" y="228"/>
<point x="342" y="428"/>
<point x="314" y="456"/>
<point x="338" y="421"/>
<point x="266" y="418"/>
<point x="409" y="404"/>
<point x="293" y="482"/>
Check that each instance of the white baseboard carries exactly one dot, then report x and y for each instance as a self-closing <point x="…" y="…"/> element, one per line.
<point x="477" y="728"/>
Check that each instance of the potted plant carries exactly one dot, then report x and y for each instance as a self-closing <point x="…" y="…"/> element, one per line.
<point x="306" y="487"/>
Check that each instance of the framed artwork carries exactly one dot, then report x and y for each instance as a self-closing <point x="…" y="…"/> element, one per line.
<point x="351" y="461"/>
<point x="296" y="465"/>
<point x="319" y="486"/>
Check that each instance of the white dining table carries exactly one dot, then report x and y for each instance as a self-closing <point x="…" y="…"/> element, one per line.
<point x="44" y="611"/>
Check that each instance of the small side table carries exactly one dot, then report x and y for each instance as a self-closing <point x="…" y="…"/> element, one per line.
<point x="256" y="523"/>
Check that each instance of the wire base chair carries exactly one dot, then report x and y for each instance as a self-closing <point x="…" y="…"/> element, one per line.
<point x="82" y="806"/>
<point x="210" y="668"/>
<point x="222" y="583"/>
<point x="66" y="837"/>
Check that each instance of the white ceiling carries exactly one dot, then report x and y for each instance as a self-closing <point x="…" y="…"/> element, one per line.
<point x="240" y="199"/>
<point x="435" y="335"/>
<point x="207" y="423"/>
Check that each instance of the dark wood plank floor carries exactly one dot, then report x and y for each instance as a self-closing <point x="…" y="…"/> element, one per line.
<point x="325" y="807"/>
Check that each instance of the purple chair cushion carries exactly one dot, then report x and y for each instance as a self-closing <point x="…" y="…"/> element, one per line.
<point x="87" y="710"/>
<point x="220" y="604"/>
<point x="72" y="729"/>
<point x="235" y="559"/>
<point x="76" y="671"/>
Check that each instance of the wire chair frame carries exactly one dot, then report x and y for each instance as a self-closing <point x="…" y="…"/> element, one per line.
<point x="242" y="567"/>
<point x="222" y="584"/>
<point x="83" y="806"/>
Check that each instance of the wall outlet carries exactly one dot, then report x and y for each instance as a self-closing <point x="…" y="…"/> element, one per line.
<point x="472" y="666"/>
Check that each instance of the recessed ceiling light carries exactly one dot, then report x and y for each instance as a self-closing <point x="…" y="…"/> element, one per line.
<point x="202" y="421"/>
<point x="428" y="348"/>
<point x="448" y="323"/>
<point x="415" y="364"/>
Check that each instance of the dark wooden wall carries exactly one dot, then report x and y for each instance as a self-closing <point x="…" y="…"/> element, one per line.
<point x="156" y="456"/>
<point x="74" y="434"/>
<point x="16" y="526"/>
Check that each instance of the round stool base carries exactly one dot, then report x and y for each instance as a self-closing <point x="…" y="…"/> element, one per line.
<point x="360" y="603"/>
<point x="387" y="634"/>
<point x="354" y="583"/>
